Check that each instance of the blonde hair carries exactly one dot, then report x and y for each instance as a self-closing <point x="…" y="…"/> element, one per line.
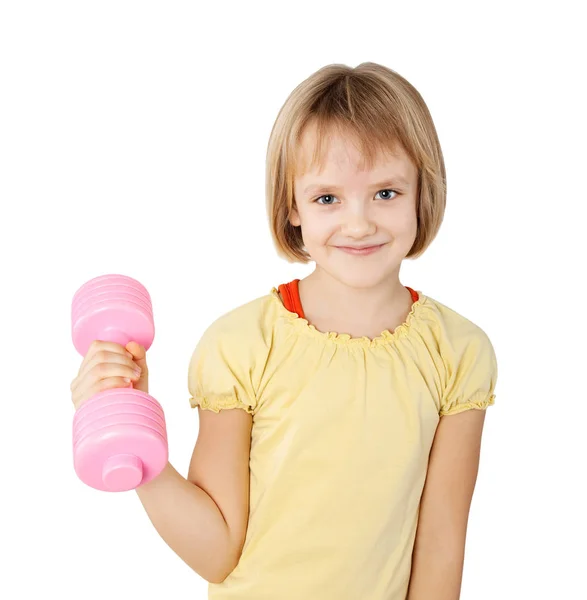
<point x="381" y="109"/>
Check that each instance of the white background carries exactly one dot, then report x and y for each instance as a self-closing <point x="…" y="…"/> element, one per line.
<point x="133" y="139"/>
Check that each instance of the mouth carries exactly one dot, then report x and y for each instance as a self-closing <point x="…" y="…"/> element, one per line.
<point x="360" y="250"/>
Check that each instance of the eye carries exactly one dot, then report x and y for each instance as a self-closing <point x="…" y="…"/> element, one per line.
<point x="325" y="196"/>
<point x="330" y="196"/>
<point x="388" y="198"/>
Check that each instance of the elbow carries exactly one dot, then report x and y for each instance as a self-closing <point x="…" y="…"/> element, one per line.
<point x="227" y="567"/>
<point x="223" y="574"/>
<point x="232" y="555"/>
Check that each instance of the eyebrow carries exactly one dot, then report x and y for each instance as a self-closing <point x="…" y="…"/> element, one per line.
<point x="322" y="187"/>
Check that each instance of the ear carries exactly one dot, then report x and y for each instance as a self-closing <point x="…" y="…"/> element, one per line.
<point x="294" y="217"/>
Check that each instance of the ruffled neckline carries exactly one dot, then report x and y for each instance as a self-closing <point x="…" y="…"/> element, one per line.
<point x="384" y="338"/>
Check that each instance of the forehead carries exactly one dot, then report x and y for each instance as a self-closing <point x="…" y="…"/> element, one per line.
<point x="339" y="151"/>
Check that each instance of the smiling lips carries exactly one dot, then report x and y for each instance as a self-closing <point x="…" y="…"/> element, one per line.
<point x="360" y="251"/>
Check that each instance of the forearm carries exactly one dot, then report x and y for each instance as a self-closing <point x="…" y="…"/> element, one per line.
<point x="189" y="522"/>
<point x="436" y="573"/>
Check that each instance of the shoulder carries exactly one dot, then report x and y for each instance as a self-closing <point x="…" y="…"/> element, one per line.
<point x="228" y="362"/>
<point x="469" y="359"/>
<point x="245" y="327"/>
<point x="463" y="346"/>
<point x="454" y="328"/>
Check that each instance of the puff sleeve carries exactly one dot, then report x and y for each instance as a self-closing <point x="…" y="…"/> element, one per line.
<point x="471" y="375"/>
<point x="221" y="370"/>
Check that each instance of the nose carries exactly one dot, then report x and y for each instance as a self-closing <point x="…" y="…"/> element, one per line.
<point x="356" y="221"/>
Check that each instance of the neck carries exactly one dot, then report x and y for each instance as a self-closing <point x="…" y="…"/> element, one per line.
<point x="331" y="305"/>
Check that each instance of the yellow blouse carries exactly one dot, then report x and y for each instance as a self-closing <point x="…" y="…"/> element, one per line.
<point x="342" y="431"/>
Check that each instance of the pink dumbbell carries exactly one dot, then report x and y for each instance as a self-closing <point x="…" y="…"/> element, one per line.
<point x="119" y="435"/>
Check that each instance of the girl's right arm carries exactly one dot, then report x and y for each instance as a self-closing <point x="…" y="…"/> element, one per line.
<point x="204" y="518"/>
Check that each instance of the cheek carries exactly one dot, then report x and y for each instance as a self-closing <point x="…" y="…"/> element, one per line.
<point x="318" y="227"/>
<point x="400" y="221"/>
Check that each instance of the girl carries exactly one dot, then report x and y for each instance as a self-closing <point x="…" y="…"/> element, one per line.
<point x="340" y="415"/>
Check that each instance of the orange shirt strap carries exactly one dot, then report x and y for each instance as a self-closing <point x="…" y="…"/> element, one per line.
<point x="415" y="296"/>
<point x="291" y="297"/>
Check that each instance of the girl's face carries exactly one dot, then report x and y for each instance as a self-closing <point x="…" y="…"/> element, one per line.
<point x="342" y="211"/>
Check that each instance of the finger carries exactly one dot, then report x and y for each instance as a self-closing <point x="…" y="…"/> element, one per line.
<point x="103" y="384"/>
<point x="105" y="371"/>
<point x="100" y="357"/>
<point x="139" y="354"/>
<point x="114" y="366"/>
<point x="136" y="350"/>
<point x="98" y="345"/>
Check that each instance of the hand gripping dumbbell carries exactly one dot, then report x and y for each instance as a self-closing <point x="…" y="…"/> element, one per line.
<point x="119" y="435"/>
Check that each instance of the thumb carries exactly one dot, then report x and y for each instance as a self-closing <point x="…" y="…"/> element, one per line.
<point x="139" y="355"/>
